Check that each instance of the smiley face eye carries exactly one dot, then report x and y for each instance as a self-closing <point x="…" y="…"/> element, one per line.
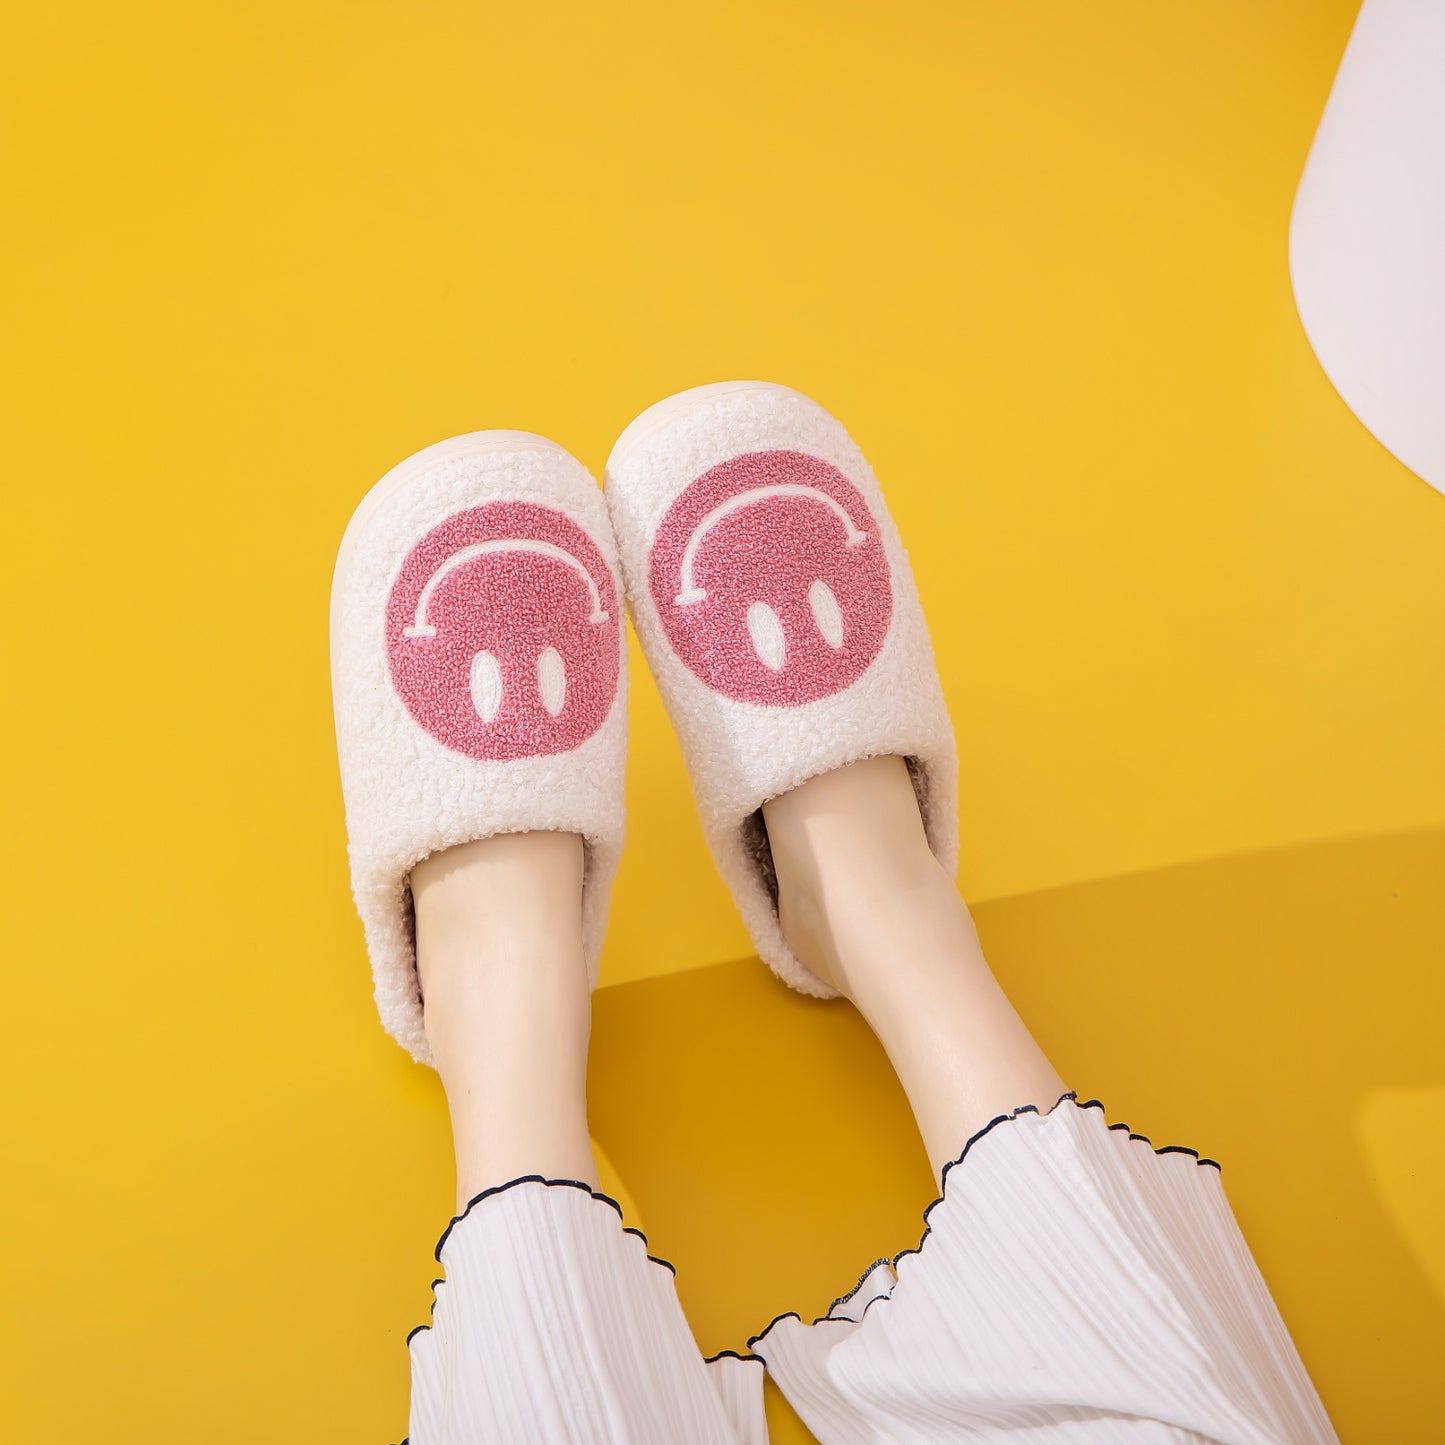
<point x="765" y="627"/>
<point x="486" y="684"/>
<point x="826" y="613"/>
<point x="551" y="680"/>
<point x="766" y="632"/>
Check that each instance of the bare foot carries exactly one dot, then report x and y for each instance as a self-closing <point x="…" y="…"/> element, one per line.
<point x="866" y="906"/>
<point x="508" y="1005"/>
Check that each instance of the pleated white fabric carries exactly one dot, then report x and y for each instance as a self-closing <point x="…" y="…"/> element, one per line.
<point x="1074" y="1285"/>
<point x="554" y="1325"/>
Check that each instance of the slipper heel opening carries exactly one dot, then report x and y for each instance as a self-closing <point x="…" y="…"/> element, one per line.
<point x="759" y="850"/>
<point x="925" y="790"/>
<point x="408" y="923"/>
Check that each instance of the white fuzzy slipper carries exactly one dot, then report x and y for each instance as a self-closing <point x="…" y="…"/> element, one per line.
<point x="779" y="615"/>
<point x="478" y="678"/>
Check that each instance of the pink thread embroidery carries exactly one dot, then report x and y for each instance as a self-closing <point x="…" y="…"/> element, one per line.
<point x="502" y="632"/>
<point x="771" y="580"/>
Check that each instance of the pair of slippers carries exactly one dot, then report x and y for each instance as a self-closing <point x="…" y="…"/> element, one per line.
<point x="479" y="659"/>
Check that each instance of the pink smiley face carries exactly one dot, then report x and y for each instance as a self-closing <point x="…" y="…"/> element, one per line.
<point x="771" y="581"/>
<point x="502" y="633"/>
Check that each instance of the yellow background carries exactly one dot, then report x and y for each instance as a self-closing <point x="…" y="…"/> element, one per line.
<point x="1187" y="612"/>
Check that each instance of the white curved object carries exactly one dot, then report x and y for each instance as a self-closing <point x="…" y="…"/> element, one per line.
<point x="1367" y="237"/>
<point x="552" y="680"/>
<point x="486" y="683"/>
<point x="766" y="632"/>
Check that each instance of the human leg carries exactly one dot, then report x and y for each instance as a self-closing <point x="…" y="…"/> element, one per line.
<point x="479" y="684"/>
<point x="553" y="1323"/>
<point x="866" y="906"/>
<point x="1073" y="1283"/>
<point x="507" y="1004"/>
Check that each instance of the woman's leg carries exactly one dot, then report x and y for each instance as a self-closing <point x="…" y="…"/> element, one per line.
<point x="552" y="1322"/>
<point x="1074" y="1285"/>
<point x="508" y="1006"/>
<point x="865" y="905"/>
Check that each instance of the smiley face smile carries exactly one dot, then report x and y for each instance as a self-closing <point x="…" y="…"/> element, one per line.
<point x="771" y="580"/>
<point x="503" y="634"/>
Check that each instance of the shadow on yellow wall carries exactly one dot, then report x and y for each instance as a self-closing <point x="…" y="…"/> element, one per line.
<point x="1278" y="1011"/>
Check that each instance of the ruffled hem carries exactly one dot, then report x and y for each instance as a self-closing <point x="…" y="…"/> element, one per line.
<point x="542" y="1179"/>
<point x="844" y="1300"/>
<point x="546" y="1183"/>
<point x="891" y="1262"/>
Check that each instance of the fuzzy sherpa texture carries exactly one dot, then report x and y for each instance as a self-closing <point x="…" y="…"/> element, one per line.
<point x="479" y="680"/>
<point x="778" y="612"/>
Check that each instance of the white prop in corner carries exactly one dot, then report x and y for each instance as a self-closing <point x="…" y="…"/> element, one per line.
<point x="1367" y="238"/>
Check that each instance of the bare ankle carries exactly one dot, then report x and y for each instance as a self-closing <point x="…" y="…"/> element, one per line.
<point x="507" y="1003"/>
<point x="861" y="926"/>
<point x="804" y="921"/>
<point x="844" y="844"/>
